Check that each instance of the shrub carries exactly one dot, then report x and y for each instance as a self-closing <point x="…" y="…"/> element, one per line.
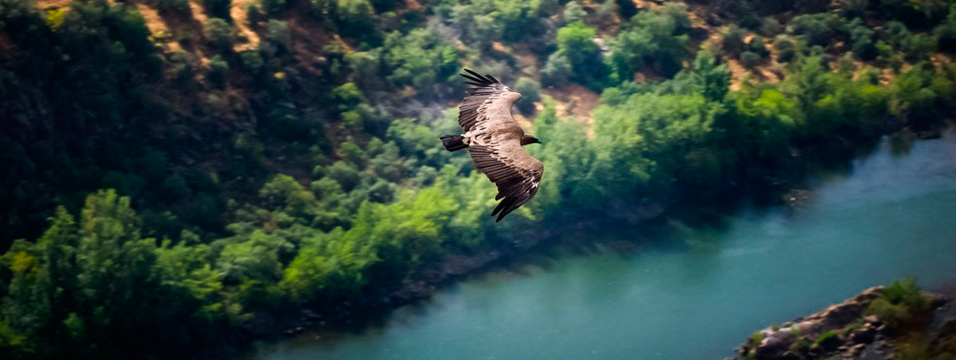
<point x="274" y="7"/>
<point x="177" y="6"/>
<point x="219" y="34"/>
<point x="529" y="89"/>
<point x="573" y="12"/>
<point x="946" y="32"/>
<point x="746" y="15"/>
<point x="217" y="70"/>
<point x="254" y="14"/>
<point x="557" y="69"/>
<point x="576" y="46"/>
<point x="733" y="41"/>
<point x="656" y="38"/>
<point x="757" y="46"/>
<point x="901" y="303"/>
<point x="181" y="66"/>
<point x="893" y="315"/>
<point x="771" y="27"/>
<point x="919" y="47"/>
<point x="356" y="18"/>
<point x="907" y="293"/>
<point x="861" y="38"/>
<point x="786" y="48"/>
<point x="217" y="8"/>
<point x="278" y="36"/>
<point x="827" y="339"/>
<point x="749" y="59"/>
<point x="818" y="29"/>
<point x="626" y="8"/>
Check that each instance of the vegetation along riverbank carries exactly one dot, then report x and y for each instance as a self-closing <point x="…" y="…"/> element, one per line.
<point x="181" y="175"/>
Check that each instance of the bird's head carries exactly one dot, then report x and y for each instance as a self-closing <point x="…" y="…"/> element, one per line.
<point x="528" y="139"/>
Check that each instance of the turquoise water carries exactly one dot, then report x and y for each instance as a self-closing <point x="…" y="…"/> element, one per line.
<point x="697" y="292"/>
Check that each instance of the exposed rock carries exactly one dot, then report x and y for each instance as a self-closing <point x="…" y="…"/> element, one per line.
<point x="842" y="331"/>
<point x="865" y="336"/>
<point x="777" y="342"/>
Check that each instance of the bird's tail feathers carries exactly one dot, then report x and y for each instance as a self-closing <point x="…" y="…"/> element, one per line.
<point x="453" y="142"/>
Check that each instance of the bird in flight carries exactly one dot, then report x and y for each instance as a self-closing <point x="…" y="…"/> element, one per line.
<point x="494" y="140"/>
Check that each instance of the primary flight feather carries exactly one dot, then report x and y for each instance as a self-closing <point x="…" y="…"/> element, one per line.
<point x="494" y="140"/>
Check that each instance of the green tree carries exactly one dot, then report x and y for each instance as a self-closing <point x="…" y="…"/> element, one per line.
<point x="655" y="38"/>
<point x="582" y="56"/>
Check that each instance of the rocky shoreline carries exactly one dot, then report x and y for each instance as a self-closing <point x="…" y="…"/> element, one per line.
<point x="846" y="331"/>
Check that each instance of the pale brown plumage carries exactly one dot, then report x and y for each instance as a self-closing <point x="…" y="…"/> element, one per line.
<point x="494" y="140"/>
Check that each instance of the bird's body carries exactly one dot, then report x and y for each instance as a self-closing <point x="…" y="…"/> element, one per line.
<point x="494" y="140"/>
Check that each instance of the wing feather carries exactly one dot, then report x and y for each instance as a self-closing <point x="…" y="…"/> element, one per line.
<point x="515" y="172"/>
<point x="483" y="91"/>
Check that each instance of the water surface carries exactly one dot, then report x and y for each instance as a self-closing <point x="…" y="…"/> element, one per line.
<point x="696" y="292"/>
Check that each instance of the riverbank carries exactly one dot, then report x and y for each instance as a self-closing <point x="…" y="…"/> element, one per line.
<point x="857" y="329"/>
<point x="428" y="279"/>
<point x="715" y="276"/>
<point x="777" y="185"/>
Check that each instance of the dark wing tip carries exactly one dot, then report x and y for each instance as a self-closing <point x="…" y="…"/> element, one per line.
<point x="478" y="79"/>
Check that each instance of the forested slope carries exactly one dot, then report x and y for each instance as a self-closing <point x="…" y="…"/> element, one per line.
<point x="179" y="170"/>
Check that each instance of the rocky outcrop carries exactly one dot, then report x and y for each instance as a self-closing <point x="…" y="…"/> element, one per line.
<point x="841" y="331"/>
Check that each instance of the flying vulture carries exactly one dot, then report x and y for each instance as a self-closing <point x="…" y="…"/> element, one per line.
<point x="494" y="140"/>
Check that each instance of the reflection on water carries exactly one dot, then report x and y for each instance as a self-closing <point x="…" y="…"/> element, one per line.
<point x="695" y="285"/>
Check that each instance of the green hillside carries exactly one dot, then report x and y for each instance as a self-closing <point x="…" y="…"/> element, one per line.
<point x="184" y="174"/>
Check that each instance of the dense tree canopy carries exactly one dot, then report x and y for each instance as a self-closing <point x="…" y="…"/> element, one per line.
<point x="168" y="186"/>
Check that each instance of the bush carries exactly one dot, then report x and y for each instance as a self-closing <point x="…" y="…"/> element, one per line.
<point x="278" y="36"/>
<point x="817" y="29"/>
<point x="573" y="12"/>
<point x="181" y="66"/>
<point x="174" y="6"/>
<point x="900" y="305"/>
<point x="356" y="18"/>
<point x="906" y="293"/>
<point x="557" y="69"/>
<point x="894" y="316"/>
<point x="576" y="46"/>
<point x="656" y="39"/>
<point x="749" y="59"/>
<point x="786" y="48"/>
<point x="528" y="88"/>
<point x="757" y="46"/>
<point x="254" y="14"/>
<point x="771" y="27"/>
<point x="918" y="47"/>
<point x="946" y="32"/>
<point x="218" y="68"/>
<point x="733" y="40"/>
<point x="217" y="8"/>
<point x="219" y="34"/>
<point x="746" y="15"/>
<point x="626" y="8"/>
<point x="827" y="339"/>
<point x="861" y="38"/>
<point x="274" y="7"/>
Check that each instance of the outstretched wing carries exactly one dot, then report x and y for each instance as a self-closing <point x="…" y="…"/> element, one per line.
<point x="515" y="172"/>
<point x="484" y="102"/>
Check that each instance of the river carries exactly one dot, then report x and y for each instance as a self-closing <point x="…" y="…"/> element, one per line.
<point x="691" y="291"/>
